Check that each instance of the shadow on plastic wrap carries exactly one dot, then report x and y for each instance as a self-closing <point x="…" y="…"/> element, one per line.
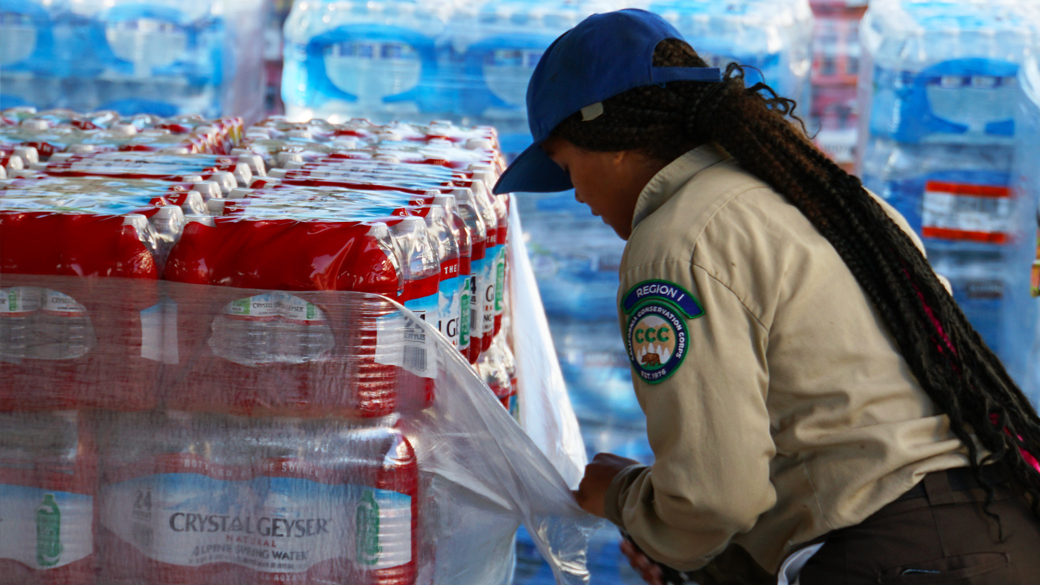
<point x="223" y="435"/>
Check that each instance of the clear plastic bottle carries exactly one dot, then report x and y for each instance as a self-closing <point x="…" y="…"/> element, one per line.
<point x="419" y="252"/>
<point x="474" y="219"/>
<point x="18" y="313"/>
<point x="440" y="224"/>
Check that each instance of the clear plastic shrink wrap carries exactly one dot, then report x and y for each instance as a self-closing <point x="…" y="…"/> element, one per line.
<point x="223" y="397"/>
<point x="470" y="60"/>
<point x="1027" y="178"/>
<point x="939" y="137"/>
<point x="163" y="57"/>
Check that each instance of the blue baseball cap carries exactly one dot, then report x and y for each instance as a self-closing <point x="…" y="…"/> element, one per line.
<point x="604" y="55"/>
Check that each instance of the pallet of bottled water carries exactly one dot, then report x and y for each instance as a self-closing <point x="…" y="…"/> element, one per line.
<point x="470" y="60"/>
<point x="278" y="354"/>
<point x="165" y="57"/>
<point x="941" y="129"/>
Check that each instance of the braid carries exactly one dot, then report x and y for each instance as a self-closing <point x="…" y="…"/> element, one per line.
<point x="954" y="366"/>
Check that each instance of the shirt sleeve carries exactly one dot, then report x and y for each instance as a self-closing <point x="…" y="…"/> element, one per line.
<point x="706" y="415"/>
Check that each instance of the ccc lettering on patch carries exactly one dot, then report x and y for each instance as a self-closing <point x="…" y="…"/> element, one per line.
<point x="656" y="338"/>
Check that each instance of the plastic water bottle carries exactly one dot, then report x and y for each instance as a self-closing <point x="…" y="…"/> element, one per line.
<point x="18" y="312"/>
<point x="477" y="222"/>
<point x="49" y="471"/>
<point x="944" y="71"/>
<point x="421" y="265"/>
<point x="440" y="222"/>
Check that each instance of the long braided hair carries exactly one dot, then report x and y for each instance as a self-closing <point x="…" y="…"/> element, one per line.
<point x="951" y="362"/>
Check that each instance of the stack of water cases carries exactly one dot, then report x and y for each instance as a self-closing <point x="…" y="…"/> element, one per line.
<point x="201" y="385"/>
<point x="1026" y="175"/>
<point x="164" y="57"/>
<point x="835" y="112"/>
<point x="938" y="138"/>
<point x="578" y="279"/>
<point x="470" y="60"/>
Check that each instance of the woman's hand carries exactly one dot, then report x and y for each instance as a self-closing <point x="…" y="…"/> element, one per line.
<point x="598" y="474"/>
<point x="646" y="568"/>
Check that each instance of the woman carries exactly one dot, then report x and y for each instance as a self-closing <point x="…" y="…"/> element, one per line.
<point x="813" y="394"/>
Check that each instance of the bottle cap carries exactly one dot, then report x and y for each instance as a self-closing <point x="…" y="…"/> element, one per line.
<point x="137" y="220"/>
<point x="239" y="193"/>
<point x="203" y="219"/>
<point x="215" y="206"/>
<point x="123" y="129"/>
<point x="28" y="153"/>
<point x="34" y="124"/>
<point x="15" y="163"/>
<point x="208" y="189"/>
<point x="284" y="158"/>
<point x="243" y="174"/>
<point x="79" y="149"/>
<point x="168" y="212"/>
<point x="481" y="143"/>
<point x="193" y="203"/>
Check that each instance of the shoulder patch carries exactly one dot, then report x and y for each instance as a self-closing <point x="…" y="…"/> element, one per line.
<point x="656" y="337"/>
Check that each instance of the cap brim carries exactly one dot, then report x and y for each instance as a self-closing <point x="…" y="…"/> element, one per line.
<point x="533" y="171"/>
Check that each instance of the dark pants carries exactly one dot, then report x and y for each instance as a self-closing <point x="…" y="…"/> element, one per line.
<point x="940" y="536"/>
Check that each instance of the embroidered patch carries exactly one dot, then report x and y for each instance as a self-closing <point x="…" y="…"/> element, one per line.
<point x="656" y="338"/>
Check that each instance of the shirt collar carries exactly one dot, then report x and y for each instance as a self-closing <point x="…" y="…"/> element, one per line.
<point x="670" y="179"/>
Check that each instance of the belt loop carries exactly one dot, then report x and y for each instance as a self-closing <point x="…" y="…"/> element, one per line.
<point x="937" y="488"/>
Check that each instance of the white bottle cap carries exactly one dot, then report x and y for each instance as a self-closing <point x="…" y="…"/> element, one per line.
<point x="176" y="150"/>
<point x="243" y="174"/>
<point x="137" y="220"/>
<point x="15" y="163"/>
<point x="167" y="212"/>
<point x="203" y="219"/>
<point x="254" y="161"/>
<point x="388" y="158"/>
<point x="208" y="189"/>
<point x="277" y="173"/>
<point x="226" y="181"/>
<point x="215" y="206"/>
<point x="293" y="164"/>
<point x="345" y="144"/>
<point x="60" y="156"/>
<point x="3" y="174"/>
<point x="239" y="193"/>
<point x="123" y="129"/>
<point x="193" y="203"/>
<point x="34" y="124"/>
<point x="80" y="149"/>
<point x="475" y="143"/>
<point x="37" y="167"/>
<point x="192" y="178"/>
<point x="284" y="158"/>
<point x="305" y="134"/>
<point x="28" y="153"/>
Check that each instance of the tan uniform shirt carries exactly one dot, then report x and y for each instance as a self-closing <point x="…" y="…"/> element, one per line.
<point x="778" y="406"/>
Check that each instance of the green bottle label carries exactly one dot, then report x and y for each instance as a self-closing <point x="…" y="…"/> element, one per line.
<point x="48" y="532"/>
<point x="500" y="281"/>
<point x="464" y="317"/>
<point x="367" y="522"/>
